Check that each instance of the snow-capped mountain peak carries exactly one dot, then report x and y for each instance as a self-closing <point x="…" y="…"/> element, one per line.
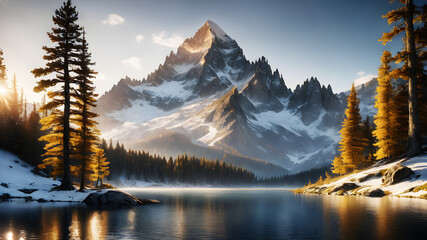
<point x="224" y="104"/>
<point x="217" y="31"/>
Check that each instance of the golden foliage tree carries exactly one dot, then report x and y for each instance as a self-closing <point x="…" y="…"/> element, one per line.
<point x="386" y="132"/>
<point x="352" y="144"/>
<point x="338" y="166"/>
<point x="412" y="55"/>
<point x="82" y="116"/>
<point x="101" y="168"/>
<point x="59" y="67"/>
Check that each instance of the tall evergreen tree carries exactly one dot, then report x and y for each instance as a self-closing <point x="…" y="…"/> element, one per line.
<point x="3" y="100"/>
<point x="15" y="107"/>
<point x="101" y="168"/>
<point x="33" y="133"/>
<point x="3" y="76"/>
<point x="352" y="143"/>
<point x="367" y="134"/>
<point x="404" y="17"/>
<point x="386" y="132"/>
<point x="82" y="114"/>
<point x="401" y="100"/>
<point x="59" y="58"/>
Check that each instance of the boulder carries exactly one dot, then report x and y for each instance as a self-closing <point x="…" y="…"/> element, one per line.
<point x="27" y="191"/>
<point x="4" y="185"/>
<point x="375" y="193"/>
<point x="370" y="175"/>
<point x="4" y="196"/>
<point x="345" y="187"/>
<point x="111" y="198"/>
<point x="149" y="201"/>
<point x="396" y="174"/>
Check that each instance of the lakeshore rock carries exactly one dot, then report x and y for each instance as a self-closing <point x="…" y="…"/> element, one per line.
<point x="375" y="193"/>
<point x="115" y="198"/>
<point x="345" y="187"/>
<point x="149" y="201"/>
<point x="396" y="174"/>
<point x="27" y="191"/>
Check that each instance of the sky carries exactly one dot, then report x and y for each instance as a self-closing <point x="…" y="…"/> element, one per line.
<point x="335" y="41"/>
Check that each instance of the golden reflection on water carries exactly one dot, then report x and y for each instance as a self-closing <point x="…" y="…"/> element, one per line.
<point x="80" y="225"/>
<point x="179" y="219"/>
<point x="351" y="217"/>
<point x="131" y="219"/>
<point x="50" y="225"/>
<point x="212" y="214"/>
<point x="353" y="212"/>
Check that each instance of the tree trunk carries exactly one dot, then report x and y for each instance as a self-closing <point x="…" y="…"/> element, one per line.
<point x="83" y="170"/>
<point x="414" y="136"/>
<point x="66" y="183"/>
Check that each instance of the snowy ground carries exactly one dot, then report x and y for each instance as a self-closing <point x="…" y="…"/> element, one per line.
<point x="16" y="174"/>
<point x="417" y="164"/>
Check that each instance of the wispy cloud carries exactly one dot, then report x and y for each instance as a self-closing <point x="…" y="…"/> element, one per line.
<point x="134" y="62"/>
<point x="161" y="39"/>
<point x="363" y="78"/>
<point x="114" y="19"/>
<point x="139" y="38"/>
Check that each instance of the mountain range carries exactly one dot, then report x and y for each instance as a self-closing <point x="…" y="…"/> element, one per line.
<point x="208" y="100"/>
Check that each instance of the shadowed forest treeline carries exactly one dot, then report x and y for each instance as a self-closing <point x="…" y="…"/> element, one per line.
<point x="140" y="165"/>
<point x="20" y="127"/>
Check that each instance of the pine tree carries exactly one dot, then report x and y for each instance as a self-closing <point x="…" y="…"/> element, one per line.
<point x="3" y="101"/>
<point x="386" y="131"/>
<point x="401" y="100"/>
<point x="15" y="107"/>
<point x="82" y="114"/>
<point x="59" y="58"/>
<point x="352" y="143"/>
<point x="404" y="17"/>
<point x="101" y="168"/>
<point x="3" y="76"/>
<point x="338" y="166"/>
<point x="368" y="135"/>
<point x="33" y="133"/>
<point x="327" y="175"/>
<point x="13" y="119"/>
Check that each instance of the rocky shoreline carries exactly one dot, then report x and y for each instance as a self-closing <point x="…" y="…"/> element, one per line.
<point x="402" y="178"/>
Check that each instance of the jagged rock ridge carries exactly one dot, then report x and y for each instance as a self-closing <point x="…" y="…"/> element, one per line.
<point x="209" y="92"/>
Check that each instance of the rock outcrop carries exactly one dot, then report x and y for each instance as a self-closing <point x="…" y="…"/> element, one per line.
<point x="375" y="193"/>
<point x="115" y="198"/>
<point x="396" y="174"/>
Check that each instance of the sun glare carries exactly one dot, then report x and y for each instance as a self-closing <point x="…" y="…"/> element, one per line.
<point x="3" y="90"/>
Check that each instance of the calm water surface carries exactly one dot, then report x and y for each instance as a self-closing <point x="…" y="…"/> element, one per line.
<point x="221" y="214"/>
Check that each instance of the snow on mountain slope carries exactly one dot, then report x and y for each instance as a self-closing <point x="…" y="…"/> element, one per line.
<point x="209" y="92"/>
<point x="366" y="93"/>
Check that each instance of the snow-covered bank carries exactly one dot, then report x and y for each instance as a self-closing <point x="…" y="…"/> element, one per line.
<point x="16" y="175"/>
<point x="369" y="180"/>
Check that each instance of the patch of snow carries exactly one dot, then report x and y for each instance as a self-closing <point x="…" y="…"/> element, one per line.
<point x="140" y="112"/>
<point x="17" y="175"/>
<point x="168" y="89"/>
<point x="417" y="164"/>
<point x="367" y="110"/>
<point x="217" y="31"/>
<point x="184" y="68"/>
